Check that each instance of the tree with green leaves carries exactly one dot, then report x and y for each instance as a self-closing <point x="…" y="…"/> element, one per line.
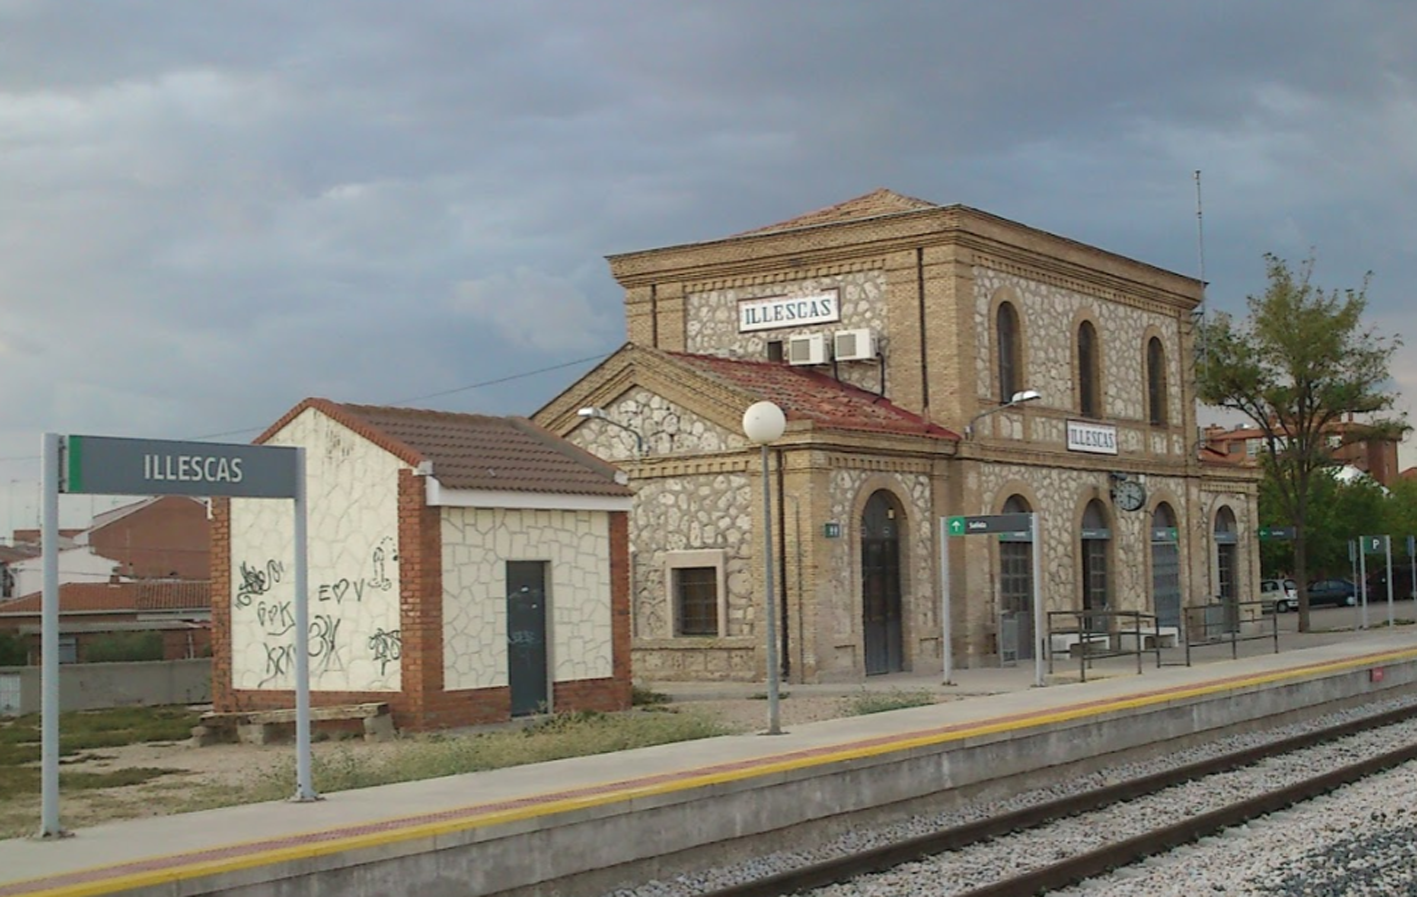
<point x="1299" y="365"/>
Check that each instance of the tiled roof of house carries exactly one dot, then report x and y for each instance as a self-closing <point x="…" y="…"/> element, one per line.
<point x="476" y="451"/>
<point x="805" y="394"/>
<point x="11" y="553"/>
<point x="872" y="205"/>
<point x="120" y="597"/>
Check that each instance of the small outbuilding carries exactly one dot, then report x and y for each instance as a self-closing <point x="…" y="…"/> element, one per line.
<point x="463" y="569"/>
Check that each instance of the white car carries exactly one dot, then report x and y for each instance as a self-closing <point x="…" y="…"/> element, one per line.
<point x="1285" y="594"/>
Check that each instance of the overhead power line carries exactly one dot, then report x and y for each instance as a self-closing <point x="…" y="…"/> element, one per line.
<point x="432" y="395"/>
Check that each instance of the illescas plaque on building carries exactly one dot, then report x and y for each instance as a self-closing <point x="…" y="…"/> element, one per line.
<point x="111" y="465"/>
<point x="1098" y="439"/>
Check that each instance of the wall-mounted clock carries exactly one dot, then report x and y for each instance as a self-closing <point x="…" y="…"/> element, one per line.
<point x="1129" y="495"/>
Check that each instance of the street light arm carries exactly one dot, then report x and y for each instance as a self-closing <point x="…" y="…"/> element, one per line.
<point x="1018" y="398"/>
<point x="599" y="414"/>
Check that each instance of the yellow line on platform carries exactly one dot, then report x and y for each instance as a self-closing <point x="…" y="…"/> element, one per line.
<point x="788" y="763"/>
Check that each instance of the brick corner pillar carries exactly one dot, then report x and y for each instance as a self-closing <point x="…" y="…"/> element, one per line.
<point x="420" y="603"/>
<point x="221" y="604"/>
<point x="620" y="608"/>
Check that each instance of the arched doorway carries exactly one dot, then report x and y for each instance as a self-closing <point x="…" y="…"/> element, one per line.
<point x="880" y="584"/>
<point x="1165" y="567"/>
<point x="1096" y="583"/>
<point x="1227" y="555"/>
<point x="1016" y="636"/>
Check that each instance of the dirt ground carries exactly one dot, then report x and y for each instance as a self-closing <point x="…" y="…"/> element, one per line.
<point x="206" y="776"/>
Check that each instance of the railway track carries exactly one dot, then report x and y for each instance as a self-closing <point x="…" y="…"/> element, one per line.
<point x="1120" y="852"/>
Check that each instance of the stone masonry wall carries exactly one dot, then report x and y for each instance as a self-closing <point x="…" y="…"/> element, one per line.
<point x="667" y="429"/>
<point x="712" y="317"/>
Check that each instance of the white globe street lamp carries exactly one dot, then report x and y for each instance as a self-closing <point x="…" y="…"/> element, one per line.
<point x="764" y="423"/>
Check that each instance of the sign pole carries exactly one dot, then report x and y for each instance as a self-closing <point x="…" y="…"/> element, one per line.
<point x="1363" y="580"/>
<point x="1387" y="543"/>
<point x="1412" y="559"/>
<point x="946" y="651"/>
<point x="304" y="789"/>
<point x="1353" y="548"/>
<point x="49" y="644"/>
<point x="1039" y="636"/>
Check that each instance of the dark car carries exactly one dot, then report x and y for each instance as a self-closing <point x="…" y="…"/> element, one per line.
<point x="1332" y="591"/>
<point x="1401" y="582"/>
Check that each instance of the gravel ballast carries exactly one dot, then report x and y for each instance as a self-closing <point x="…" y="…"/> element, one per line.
<point x="962" y="870"/>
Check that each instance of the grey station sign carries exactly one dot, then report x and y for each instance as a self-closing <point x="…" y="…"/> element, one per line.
<point x="111" y="465"/>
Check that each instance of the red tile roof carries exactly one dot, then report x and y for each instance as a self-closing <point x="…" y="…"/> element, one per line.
<point x="871" y="205"/>
<point x="475" y="451"/>
<point x="805" y="394"/>
<point x="121" y="597"/>
<point x="11" y="553"/>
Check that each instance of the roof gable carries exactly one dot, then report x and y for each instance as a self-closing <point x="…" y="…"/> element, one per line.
<point x="871" y="205"/>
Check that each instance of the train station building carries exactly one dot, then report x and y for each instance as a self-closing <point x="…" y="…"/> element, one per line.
<point x="931" y="360"/>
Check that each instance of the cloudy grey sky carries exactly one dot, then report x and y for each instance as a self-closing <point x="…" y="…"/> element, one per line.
<point x="210" y="211"/>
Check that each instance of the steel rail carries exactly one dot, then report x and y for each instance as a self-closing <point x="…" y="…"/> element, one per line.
<point x="880" y="859"/>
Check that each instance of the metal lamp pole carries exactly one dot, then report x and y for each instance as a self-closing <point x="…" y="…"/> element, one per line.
<point x="764" y="423"/>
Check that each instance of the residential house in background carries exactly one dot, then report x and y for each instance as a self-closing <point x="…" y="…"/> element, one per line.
<point x="1347" y="440"/>
<point x="177" y="613"/>
<point x="9" y="556"/>
<point x="462" y="568"/>
<point x="167" y="537"/>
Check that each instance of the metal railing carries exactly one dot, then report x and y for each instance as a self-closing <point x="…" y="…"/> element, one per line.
<point x="1096" y="634"/>
<point x="1232" y="622"/>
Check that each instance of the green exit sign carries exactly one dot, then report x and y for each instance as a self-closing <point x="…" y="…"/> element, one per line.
<point x="831" y="530"/>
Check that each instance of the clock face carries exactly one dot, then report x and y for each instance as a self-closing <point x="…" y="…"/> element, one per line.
<point x="1129" y="495"/>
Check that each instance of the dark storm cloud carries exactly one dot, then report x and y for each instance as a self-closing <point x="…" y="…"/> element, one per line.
<point x="213" y="210"/>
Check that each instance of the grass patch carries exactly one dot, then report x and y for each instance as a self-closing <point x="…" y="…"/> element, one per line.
<point x="118" y="778"/>
<point x="644" y="697"/>
<point x="555" y="738"/>
<point x="18" y="780"/>
<point x="88" y="729"/>
<point x="865" y="701"/>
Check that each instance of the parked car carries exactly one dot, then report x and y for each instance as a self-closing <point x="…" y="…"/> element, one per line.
<point x="1332" y="591"/>
<point x="1401" y="582"/>
<point x="1284" y="595"/>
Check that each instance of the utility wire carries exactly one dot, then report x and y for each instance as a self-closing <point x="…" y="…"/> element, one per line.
<point x="432" y="395"/>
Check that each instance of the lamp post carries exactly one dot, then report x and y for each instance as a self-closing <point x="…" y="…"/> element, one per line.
<point x="1018" y="398"/>
<point x="764" y="423"/>
<point x="599" y="414"/>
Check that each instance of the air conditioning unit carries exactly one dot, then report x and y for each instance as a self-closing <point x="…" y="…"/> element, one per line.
<point x="854" y="345"/>
<point x="809" y="349"/>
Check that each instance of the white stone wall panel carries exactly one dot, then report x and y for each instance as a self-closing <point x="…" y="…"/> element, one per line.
<point x="477" y="543"/>
<point x="352" y="494"/>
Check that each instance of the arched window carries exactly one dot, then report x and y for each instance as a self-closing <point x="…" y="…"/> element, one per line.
<point x="1006" y="336"/>
<point x="1156" y="381"/>
<point x="1016" y="586"/>
<point x="1165" y="567"/>
<point x="1095" y="582"/>
<point x="1088" y="372"/>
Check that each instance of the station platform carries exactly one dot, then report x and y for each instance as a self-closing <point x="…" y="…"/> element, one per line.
<point x="521" y="830"/>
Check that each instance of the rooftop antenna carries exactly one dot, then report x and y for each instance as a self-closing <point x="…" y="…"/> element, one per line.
<point x="1200" y="255"/>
